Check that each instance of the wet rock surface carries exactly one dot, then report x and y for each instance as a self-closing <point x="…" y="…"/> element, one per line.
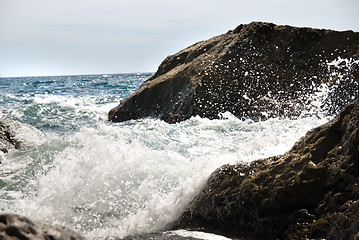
<point x="8" y="139"/>
<point x="17" y="227"/>
<point x="310" y="192"/>
<point x="257" y="71"/>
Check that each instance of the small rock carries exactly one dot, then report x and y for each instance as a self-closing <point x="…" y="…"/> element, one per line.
<point x="8" y="139"/>
<point x="173" y="118"/>
<point x="14" y="227"/>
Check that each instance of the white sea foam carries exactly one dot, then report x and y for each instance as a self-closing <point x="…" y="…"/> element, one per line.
<point x="113" y="180"/>
<point x="198" y="235"/>
<point x="138" y="176"/>
<point x="343" y="63"/>
<point x="79" y="104"/>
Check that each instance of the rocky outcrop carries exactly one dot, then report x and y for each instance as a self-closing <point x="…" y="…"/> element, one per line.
<point x="258" y="70"/>
<point x="17" y="227"/>
<point x="310" y="192"/>
<point x="7" y="135"/>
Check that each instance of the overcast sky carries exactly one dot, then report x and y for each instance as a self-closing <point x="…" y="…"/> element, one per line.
<point x="61" y="37"/>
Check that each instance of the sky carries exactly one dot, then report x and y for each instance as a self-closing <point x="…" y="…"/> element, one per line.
<point x="65" y="37"/>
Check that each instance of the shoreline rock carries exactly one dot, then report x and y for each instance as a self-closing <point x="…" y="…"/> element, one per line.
<point x="258" y="70"/>
<point x="8" y="139"/>
<point x="17" y="227"/>
<point x="310" y="192"/>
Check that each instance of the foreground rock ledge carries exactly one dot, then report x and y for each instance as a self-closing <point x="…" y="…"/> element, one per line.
<point x="312" y="191"/>
<point x="17" y="227"/>
<point x="256" y="71"/>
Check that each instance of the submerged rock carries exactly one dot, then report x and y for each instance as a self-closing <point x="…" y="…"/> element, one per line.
<point x="17" y="227"/>
<point x="258" y="70"/>
<point x="312" y="191"/>
<point x="8" y="139"/>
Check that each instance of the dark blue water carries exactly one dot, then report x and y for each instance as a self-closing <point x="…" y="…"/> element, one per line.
<point x="58" y="103"/>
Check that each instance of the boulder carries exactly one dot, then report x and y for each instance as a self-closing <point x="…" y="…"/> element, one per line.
<point x="17" y="227"/>
<point x="310" y="192"/>
<point x="7" y="135"/>
<point x="258" y="70"/>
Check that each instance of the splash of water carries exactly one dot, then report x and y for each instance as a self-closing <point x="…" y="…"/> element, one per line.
<point x="135" y="177"/>
<point x="114" y="180"/>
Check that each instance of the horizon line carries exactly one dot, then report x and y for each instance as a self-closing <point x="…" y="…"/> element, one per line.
<point x="69" y="75"/>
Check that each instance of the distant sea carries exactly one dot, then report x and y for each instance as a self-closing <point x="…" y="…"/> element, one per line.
<point x="111" y="180"/>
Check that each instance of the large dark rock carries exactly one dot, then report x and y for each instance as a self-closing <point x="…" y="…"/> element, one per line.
<point x="21" y="228"/>
<point x="258" y="70"/>
<point x="8" y="139"/>
<point x="312" y="191"/>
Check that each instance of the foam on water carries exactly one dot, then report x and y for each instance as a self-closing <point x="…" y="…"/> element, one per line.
<point x="135" y="177"/>
<point x="111" y="180"/>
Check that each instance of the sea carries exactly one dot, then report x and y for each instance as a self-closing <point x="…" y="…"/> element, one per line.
<point x="115" y="180"/>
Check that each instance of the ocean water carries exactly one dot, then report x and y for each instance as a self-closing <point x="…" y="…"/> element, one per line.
<point x="112" y="180"/>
